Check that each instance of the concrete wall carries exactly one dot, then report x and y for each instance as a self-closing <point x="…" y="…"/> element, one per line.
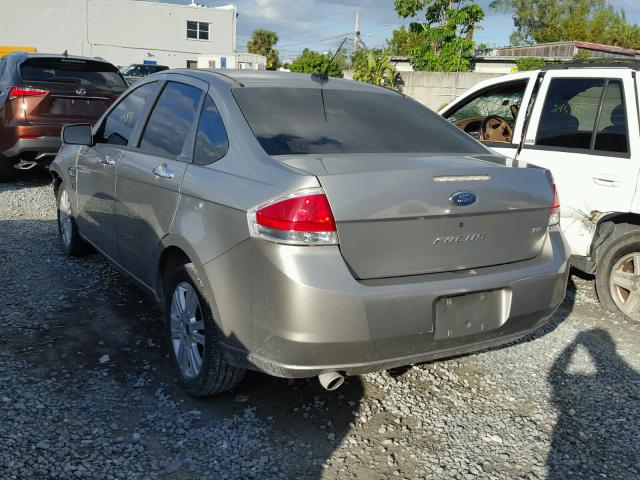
<point x="436" y="89"/>
<point x="120" y="31"/>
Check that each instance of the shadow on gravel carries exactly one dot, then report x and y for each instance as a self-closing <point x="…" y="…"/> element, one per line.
<point x="597" y="432"/>
<point x="36" y="177"/>
<point x="97" y="335"/>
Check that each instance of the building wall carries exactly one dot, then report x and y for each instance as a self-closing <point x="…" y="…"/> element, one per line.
<point x="120" y="31"/>
<point x="234" y="60"/>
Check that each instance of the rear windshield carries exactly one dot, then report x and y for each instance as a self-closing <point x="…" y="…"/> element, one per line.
<point x="313" y="121"/>
<point x="63" y="70"/>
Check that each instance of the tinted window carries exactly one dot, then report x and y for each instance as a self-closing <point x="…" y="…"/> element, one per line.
<point x="171" y="119"/>
<point x="311" y="120"/>
<point x="63" y="70"/>
<point x="197" y="30"/>
<point x="211" y="140"/>
<point x="611" y="134"/>
<point x="122" y="120"/>
<point x="497" y="101"/>
<point x="569" y="112"/>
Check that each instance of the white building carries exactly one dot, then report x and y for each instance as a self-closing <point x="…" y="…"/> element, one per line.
<point x="242" y="61"/>
<point x="120" y="31"/>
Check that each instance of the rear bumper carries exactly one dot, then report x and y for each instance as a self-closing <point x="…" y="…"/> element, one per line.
<point x="298" y="311"/>
<point x="40" y="139"/>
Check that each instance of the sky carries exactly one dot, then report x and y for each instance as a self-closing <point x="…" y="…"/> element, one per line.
<point x="321" y="24"/>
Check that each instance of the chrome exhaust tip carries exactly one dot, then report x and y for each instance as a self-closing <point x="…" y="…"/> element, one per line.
<point x="25" y="165"/>
<point x="331" y="381"/>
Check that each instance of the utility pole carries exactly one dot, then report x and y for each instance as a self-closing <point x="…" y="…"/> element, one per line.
<point x="356" y="33"/>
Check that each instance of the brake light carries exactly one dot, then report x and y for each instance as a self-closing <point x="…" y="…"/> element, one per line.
<point x="18" y="92"/>
<point x="554" y="218"/>
<point x="302" y="217"/>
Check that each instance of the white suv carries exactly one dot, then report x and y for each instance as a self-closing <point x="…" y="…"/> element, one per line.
<point x="581" y="122"/>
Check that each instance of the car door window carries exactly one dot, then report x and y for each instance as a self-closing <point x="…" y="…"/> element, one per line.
<point x="503" y="101"/>
<point x="171" y="119"/>
<point x="121" y="122"/>
<point x="569" y="112"/>
<point x="212" y="142"/>
<point x="585" y="114"/>
<point x="611" y="134"/>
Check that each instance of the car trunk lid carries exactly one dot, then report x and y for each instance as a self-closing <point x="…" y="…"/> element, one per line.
<point x="397" y="215"/>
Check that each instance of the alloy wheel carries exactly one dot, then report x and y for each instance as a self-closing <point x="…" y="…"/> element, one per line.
<point x="624" y="284"/>
<point x="187" y="330"/>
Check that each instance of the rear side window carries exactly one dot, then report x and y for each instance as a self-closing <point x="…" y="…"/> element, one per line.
<point x="314" y="121"/>
<point x="611" y="133"/>
<point x="69" y="70"/>
<point x="171" y="119"/>
<point x="212" y="142"/>
<point x="586" y="114"/>
<point x="121" y="122"/>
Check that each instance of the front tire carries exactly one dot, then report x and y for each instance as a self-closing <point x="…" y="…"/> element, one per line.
<point x="618" y="276"/>
<point x="72" y="243"/>
<point x="194" y="338"/>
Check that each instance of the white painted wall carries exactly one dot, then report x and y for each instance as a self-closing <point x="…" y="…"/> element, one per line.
<point x="120" y="31"/>
<point x="249" y="61"/>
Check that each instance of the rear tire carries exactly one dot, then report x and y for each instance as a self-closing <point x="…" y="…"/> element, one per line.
<point x="7" y="172"/>
<point x="618" y="276"/>
<point x="72" y="243"/>
<point x="194" y="338"/>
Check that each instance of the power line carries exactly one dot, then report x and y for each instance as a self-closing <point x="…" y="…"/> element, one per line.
<point x="314" y="41"/>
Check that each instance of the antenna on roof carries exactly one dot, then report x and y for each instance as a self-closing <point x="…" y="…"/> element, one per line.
<point x="65" y="53"/>
<point x="324" y="75"/>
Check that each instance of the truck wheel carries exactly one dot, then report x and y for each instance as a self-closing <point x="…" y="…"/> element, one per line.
<point x="7" y="172"/>
<point x="618" y="276"/>
<point x="194" y="338"/>
<point x="70" y="239"/>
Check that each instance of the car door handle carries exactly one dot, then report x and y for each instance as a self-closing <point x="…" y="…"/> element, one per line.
<point x="606" y="180"/>
<point x="163" y="171"/>
<point x="107" y="160"/>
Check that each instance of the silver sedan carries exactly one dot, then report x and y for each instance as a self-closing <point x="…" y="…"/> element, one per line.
<point x="305" y="226"/>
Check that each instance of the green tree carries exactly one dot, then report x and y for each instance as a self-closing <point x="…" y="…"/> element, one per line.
<point x="444" y="39"/>
<point x="315" y="62"/>
<point x="262" y="42"/>
<point x="525" y="64"/>
<point x="372" y="66"/>
<point x="559" y="20"/>
<point x="402" y="41"/>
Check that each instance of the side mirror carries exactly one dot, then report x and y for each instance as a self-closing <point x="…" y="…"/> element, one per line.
<point x="78" y="134"/>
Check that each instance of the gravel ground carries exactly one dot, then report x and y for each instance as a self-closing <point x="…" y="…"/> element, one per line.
<point x="86" y="390"/>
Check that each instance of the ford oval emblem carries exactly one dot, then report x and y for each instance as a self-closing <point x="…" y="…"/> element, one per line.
<point x="463" y="199"/>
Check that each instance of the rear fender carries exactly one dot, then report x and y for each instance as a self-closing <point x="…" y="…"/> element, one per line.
<point x="177" y="241"/>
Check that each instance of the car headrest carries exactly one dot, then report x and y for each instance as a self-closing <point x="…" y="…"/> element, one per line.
<point x="618" y="117"/>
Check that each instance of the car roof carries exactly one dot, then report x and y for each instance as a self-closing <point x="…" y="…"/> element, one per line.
<point x="268" y="78"/>
<point x="25" y="55"/>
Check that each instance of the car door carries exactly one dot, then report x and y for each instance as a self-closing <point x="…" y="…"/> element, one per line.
<point x="97" y="164"/>
<point x="503" y="99"/>
<point x="579" y="130"/>
<point x="150" y="175"/>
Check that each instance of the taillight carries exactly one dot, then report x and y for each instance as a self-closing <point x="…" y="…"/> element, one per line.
<point x="18" y="92"/>
<point x="554" y="218"/>
<point x="302" y="217"/>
